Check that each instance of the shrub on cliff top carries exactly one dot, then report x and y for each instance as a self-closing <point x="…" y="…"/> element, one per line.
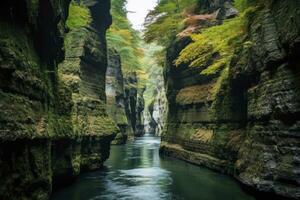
<point x="214" y="47"/>
<point x="166" y="20"/>
<point x="216" y="43"/>
<point x="79" y="16"/>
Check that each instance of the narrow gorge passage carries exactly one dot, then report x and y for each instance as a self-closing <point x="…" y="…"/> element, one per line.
<point x="135" y="171"/>
<point x="150" y="99"/>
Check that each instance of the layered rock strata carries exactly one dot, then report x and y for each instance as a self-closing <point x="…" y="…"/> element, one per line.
<point x="249" y="126"/>
<point x="130" y="86"/>
<point x="115" y="95"/>
<point x="53" y="125"/>
<point x="134" y="104"/>
<point x="140" y="106"/>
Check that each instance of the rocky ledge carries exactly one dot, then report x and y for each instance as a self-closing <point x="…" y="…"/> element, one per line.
<point x="243" y="120"/>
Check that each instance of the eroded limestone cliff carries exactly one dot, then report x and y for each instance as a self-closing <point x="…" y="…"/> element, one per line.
<point x="115" y="95"/>
<point x="155" y="119"/>
<point x="53" y="122"/>
<point x="125" y="101"/>
<point x="134" y="104"/>
<point x="243" y="120"/>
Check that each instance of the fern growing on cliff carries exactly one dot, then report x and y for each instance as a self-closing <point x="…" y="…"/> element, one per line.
<point x="215" y="44"/>
<point x="213" y="48"/>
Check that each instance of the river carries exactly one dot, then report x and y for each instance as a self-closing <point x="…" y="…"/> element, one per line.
<point x="135" y="171"/>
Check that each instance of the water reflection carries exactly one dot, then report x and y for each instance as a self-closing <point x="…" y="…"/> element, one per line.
<point x="135" y="171"/>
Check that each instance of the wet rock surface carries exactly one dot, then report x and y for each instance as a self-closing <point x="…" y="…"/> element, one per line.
<point x="155" y="120"/>
<point x="134" y="105"/>
<point x="53" y="121"/>
<point x="115" y="95"/>
<point x="139" y="127"/>
<point x="249" y="128"/>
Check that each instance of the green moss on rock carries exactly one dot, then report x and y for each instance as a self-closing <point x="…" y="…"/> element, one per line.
<point x="79" y="16"/>
<point x="42" y="144"/>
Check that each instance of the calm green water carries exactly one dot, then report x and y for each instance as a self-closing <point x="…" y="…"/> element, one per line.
<point x="136" y="171"/>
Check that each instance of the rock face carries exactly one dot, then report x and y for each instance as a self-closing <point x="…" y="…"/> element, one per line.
<point x="115" y="95"/>
<point x="269" y="156"/>
<point x="150" y="123"/>
<point x="83" y="73"/>
<point x="159" y="111"/>
<point x="53" y="122"/>
<point x="139" y="126"/>
<point x="155" y="122"/>
<point x="134" y="104"/>
<point x="250" y="127"/>
<point x="130" y="101"/>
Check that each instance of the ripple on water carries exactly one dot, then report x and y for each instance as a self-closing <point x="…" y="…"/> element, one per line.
<point x="141" y="183"/>
<point x="136" y="172"/>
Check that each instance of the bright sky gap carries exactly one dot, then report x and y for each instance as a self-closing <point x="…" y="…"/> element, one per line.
<point x="138" y="10"/>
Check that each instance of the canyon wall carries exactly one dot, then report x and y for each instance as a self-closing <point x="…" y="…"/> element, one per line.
<point x="140" y="106"/>
<point x="134" y="104"/>
<point x="53" y="122"/>
<point x="116" y="97"/>
<point x="155" y="119"/>
<point x="125" y="101"/>
<point x="243" y="120"/>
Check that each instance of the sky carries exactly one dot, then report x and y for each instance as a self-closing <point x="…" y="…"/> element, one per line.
<point x="138" y="10"/>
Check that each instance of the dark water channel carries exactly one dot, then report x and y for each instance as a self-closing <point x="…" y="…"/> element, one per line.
<point x="136" y="171"/>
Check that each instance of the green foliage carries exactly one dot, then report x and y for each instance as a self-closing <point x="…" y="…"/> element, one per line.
<point x="223" y="77"/>
<point x="241" y="5"/>
<point x="215" y="44"/>
<point x="166" y="20"/>
<point x="153" y="70"/>
<point x="79" y="16"/>
<point x="122" y="37"/>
